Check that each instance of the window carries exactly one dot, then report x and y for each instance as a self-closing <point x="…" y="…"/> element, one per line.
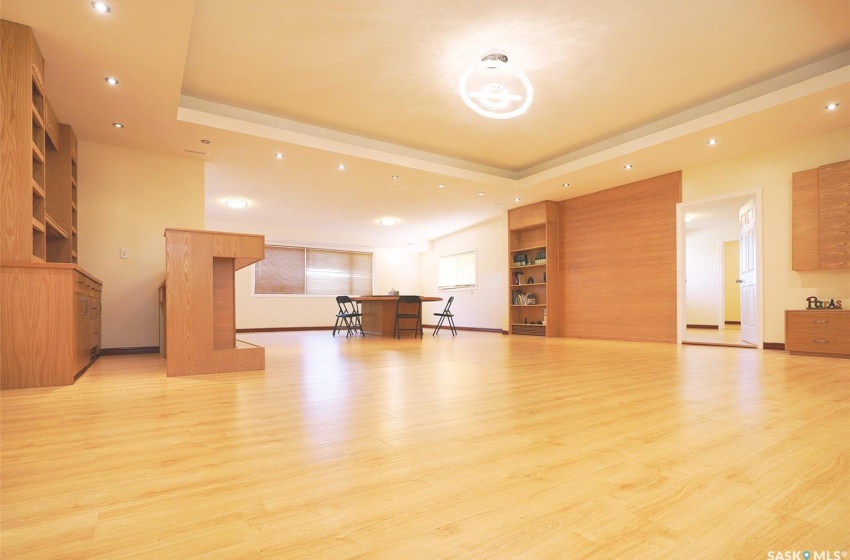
<point x="300" y="270"/>
<point x="457" y="271"/>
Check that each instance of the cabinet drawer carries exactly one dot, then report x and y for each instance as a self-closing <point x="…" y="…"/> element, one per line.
<point x="82" y="283"/>
<point x="818" y="321"/>
<point x="824" y="343"/>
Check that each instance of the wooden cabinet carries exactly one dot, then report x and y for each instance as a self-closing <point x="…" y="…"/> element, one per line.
<point x="818" y="332"/>
<point x="534" y="295"/>
<point x="46" y="317"/>
<point x="50" y="312"/>
<point x="820" y="219"/>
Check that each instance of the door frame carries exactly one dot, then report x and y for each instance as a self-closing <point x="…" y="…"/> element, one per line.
<point x="682" y="208"/>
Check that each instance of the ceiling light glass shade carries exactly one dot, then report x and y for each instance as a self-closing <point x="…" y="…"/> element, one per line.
<point x="236" y="203"/>
<point x="495" y="89"/>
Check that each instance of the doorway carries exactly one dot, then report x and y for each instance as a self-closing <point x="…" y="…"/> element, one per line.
<point x="707" y="231"/>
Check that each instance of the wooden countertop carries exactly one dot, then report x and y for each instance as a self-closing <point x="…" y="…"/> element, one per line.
<point x="72" y="266"/>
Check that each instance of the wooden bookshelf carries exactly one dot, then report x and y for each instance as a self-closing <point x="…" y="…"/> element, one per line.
<point x="533" y="296"/>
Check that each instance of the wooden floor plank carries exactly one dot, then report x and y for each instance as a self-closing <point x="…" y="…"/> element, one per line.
<point x="476" y="446"/>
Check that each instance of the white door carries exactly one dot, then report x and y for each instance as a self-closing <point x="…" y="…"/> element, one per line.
<point x="747" y="275"/>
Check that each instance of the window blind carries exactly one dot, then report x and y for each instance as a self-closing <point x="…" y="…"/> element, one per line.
<point x="300" y="270"/>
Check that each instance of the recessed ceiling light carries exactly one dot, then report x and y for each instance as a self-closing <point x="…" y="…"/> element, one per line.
<point x="388" y="221"/>
<point x="627" y="166"/>
<point x="441" y="186"/>
<point x="111" y="81"/>
<point x="395" y="176"/>
<point x="565" y="185"/>
<point x="481" y="193"/>
<point x="236" y="203"/>
<point x="712" y="141"/>
<point x="341" y="166"/>
<point x="117" y="125"/>
<point x="101" y="7"/>
<point x="831" y="107"/>
<point x="205" y="141"/>
<point x="278" y="155"/>
<point x="516" y="199"/>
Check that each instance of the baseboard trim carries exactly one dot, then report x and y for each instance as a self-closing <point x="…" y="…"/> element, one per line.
<point x="774" y="346"/>
<point x="733" y="322"/>
<point x="132" y="350"/>
<point x="702" y="326"/>
<point x="472" y="329"/>
<point x="284" y="329"/>
<point x="288" y="329"/>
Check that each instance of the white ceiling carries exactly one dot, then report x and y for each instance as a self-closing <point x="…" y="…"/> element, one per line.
<point x="373" y="84"/>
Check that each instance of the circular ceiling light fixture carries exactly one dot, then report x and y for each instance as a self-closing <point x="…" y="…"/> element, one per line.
<point x="236" y="203"/>
<point x="495" y="89"/>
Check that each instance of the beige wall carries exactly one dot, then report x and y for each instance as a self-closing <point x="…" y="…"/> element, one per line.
<point x="770" y="171"/>
<point x="703" y="259"/>
<point x="126" y="199"/>
<point x="392" y="268"/>
<point x="485" y="307"/>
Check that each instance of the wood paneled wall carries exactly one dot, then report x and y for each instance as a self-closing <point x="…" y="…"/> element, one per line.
<point x="618" y="262"/>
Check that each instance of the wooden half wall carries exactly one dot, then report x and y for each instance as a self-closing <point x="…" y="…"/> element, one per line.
<point x="618" y="262"/>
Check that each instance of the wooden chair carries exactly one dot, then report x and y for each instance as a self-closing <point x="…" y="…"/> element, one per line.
<point x="446" y="314"/>
<point x="407" y="314"/>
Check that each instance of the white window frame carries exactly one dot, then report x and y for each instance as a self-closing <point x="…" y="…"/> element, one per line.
<point x="447" y="271"/>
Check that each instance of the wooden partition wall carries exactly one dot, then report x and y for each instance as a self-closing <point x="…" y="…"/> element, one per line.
<point x="200" y="313"/>
<point x="618" y="262"/>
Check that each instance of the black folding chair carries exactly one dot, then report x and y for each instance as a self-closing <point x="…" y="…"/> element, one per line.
<point x="348" y="316"/>
<point x="406" y="301"/>
<point x="446" y="314"/>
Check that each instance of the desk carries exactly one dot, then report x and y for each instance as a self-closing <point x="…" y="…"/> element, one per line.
<point x="379" y="312"/>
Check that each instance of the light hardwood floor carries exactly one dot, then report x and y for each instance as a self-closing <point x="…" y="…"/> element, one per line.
<point x="480" y="446"/>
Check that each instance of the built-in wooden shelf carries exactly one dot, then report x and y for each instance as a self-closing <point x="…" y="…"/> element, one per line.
<point x="54" y="229"/>
<point x="533" y="230"/>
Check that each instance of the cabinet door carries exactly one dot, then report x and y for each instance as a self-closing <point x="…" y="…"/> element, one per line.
<point x="833" y="204"/>
<point x="82" y="333"/>
<point x="94" y="324"/>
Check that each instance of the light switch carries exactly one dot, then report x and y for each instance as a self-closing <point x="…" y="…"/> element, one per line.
<point x="125" y="254"/>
